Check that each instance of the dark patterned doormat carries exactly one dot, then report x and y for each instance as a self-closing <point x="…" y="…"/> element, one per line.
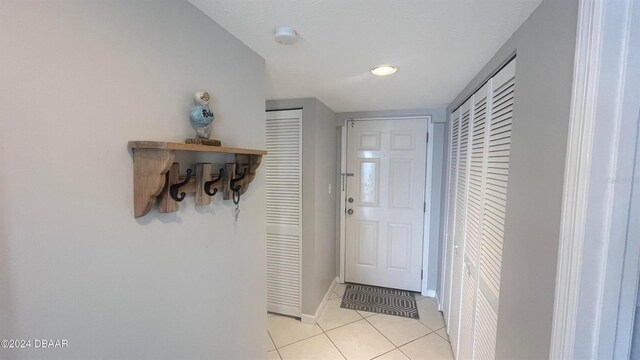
<point x="380" y="300"/>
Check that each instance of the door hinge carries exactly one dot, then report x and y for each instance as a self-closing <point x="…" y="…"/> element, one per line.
<point x="424" y="207"/>
<point x="427" y="137"/>
<point x="421" y="274"/>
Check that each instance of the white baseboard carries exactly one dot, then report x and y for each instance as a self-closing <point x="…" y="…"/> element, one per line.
<point x="312" y="319"/>
<point x="308" y="319"/>
<point x="439" y="303"/>
<point x="429" y="293"/>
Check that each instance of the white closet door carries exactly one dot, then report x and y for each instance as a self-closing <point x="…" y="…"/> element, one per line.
<point x="502" y="87"/>
<point x="460" y="214"/>
<point x="283" y="174"/>
<point x="454" y="136"/>
<point x="473" y="237"/>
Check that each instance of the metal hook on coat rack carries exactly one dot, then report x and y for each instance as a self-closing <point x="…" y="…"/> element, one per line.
<point x="173" y="189"/>
<point x="232" y="184"/>
<point x="236" y="192"/>
<point x="208" y="184"/>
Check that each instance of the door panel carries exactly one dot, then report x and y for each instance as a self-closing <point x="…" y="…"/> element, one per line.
<point x="399" y="247"/>
<point x="400" y="178"/>
<point x="384" y="221"/>
<point x="474" y="210"/>
<point x="485" y="330"/>
<point x="480" y="144"/>
<point x="454" y="136"/>
<point x="367" y="235"/>
<point x="502" y="92"/>
<point x="460" y="225"/>
<point x="283" y="165"/>
<point x="467" y="311"/>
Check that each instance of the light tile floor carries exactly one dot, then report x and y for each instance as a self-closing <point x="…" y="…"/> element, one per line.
<point x="353" y="335"/>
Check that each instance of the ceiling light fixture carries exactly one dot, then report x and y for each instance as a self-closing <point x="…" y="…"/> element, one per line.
<point x="384" y="70"/>
<point x="285" y="35"/>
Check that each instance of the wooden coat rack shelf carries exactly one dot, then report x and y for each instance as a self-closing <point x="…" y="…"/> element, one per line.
<point x="155" y="173"/>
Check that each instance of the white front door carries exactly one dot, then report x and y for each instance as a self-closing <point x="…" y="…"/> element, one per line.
<point x="385" y="202"/>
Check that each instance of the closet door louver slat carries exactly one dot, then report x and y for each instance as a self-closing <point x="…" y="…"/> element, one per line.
<point x="283" y="179"/>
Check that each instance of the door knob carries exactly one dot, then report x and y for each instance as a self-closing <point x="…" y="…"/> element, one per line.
<point x="350" y="211"/>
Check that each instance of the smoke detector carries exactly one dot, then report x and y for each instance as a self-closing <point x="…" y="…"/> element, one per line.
<point x="286" y="35"/>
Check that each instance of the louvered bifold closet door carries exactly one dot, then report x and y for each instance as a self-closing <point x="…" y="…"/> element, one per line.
<point x="283" y="174"/>
<point x="460" y="224"/>
<point x="473" y="231"/>
<point x="502" y="87"/>
<point x="454" y="133"/>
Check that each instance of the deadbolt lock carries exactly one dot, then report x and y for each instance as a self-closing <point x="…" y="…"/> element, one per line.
<point x="350" y="200"/>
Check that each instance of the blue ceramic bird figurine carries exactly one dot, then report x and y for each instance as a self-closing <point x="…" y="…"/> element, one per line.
<point x="201" y="115"/>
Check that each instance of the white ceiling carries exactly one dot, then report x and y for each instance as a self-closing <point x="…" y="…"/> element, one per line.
<point x="438" y="45"/>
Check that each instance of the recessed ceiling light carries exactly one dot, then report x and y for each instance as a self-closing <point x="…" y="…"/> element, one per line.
<point x="384" y="70"/>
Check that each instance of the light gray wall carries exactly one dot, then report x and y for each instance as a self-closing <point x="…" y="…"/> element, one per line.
<point x="444" y="183"/>
<point x="545" y="46"/>
<point x="318" y="206"/>
<point x="436" y="246"/>
<point x="78" y="81"/>
<point x="438" y="116"/>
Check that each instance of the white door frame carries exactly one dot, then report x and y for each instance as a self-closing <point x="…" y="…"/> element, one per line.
<point x="427" y="194"/>
<point x="592" y="283"/>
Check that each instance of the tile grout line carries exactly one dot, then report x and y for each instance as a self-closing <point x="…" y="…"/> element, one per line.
<point x="383" y="354"/>
<point x="327" y="335"/>
<point x="309" y="337"/>
<point x="274" y="344"/>
<point x="403" y="353"/>
<point x="297" y="341"/>
<point x="414" y="341"/>
<point x="337" y="327"/>
<point x="334" y="345"/>
<point x="391" y="342"/>
<point x="362" y="318"/>
<point x="380" y="332"/>
<point x="441" y="335"/>
<point x="398" y="346"/>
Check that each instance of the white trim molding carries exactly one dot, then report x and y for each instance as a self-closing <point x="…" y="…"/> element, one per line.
<point x="313" y="319"/>
<point x="343" y="201"/>
<point x="595" y="205"/>
<point x="428" y="198"/>
<point x="429" y="293"/>
<point x="576" y="178"/>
